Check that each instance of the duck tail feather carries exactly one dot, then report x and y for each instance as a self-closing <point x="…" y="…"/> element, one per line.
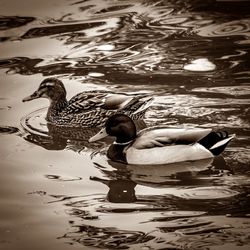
<point x="129" y="103"/>
<point x="220" y="146"/>
<point x="146" y="104"/>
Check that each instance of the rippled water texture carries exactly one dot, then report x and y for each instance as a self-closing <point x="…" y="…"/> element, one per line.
<point x="57" y="191"/>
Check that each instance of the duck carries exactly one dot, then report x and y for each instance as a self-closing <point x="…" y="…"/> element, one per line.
<point x="159" y="144"/>
<point x="89" y="108"/>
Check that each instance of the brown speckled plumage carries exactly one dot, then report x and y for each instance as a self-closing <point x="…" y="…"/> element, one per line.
<point x="90" y="108"/>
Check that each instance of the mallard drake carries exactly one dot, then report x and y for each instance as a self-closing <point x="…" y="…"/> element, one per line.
<point x="90" y="108"/>
<point x="160" y="144"/>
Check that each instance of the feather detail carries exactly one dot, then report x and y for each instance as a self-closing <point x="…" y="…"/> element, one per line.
<point x="162" y="136"/>
<point x="117" y="101"/>
<point x="89" y="108"/>
<point x="160" y="145"/>
<point x="85" y="101"/>
<point x="166" y="155"/>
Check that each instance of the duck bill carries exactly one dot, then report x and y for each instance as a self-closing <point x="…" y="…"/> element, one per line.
<point x="101" y="134"/>
<point x="35" y="95"/>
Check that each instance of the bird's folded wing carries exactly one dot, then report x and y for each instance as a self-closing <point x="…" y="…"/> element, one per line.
<point x="107" y="100"/>
<point x="85" y="101"/>
<point x="162" y="136"/>
<point x="118" y="101"/>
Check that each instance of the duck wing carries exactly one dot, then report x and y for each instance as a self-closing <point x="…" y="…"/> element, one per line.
<point x="138" y="104"/>
<point x="86" y="101"/>
<point x="164" y="136"/>
<point x="119" y="101"/>
<point x="89" y="100"/>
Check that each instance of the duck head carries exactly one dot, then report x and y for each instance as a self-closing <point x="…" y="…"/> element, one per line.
<point x="50" y="88"/>
<point x="120" y="126"/>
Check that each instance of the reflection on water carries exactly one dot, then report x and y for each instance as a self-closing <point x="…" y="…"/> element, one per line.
<point x="8" y="130"/>
<point x="178" y="209"/>
<point x="192" y="56"/>
<point x="233" y="28"/>
<point x="107" y="237"/>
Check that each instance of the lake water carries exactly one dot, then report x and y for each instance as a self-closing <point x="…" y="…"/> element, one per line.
<point x="57" y="191"/>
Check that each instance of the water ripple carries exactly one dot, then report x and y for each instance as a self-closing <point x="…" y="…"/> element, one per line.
<point x="39" y="132"/>
<point x="58" y="29"/>
<point x="62" y="178"/>
<point x="133" y="46"/>
<point x="206" y="193"/>
<point x="233" y="28"/>
<point x="9" y="22"/>
<point x="243" y="90"/>
<point x="8" y="130"/>
<point x="111" y="238"/>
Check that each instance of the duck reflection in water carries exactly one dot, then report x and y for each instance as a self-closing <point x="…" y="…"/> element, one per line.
<point x="123" y="179"/>
<point x="120" y="190"/>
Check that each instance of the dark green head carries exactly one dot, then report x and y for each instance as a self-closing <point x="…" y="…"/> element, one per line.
<point x="120" y="126"/>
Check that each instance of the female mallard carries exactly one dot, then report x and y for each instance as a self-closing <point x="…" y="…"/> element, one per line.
<point x="159" y="144"/>
<point x="90" y="108"/>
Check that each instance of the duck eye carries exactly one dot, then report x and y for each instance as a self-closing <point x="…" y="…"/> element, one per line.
<point x="114" y="124"/>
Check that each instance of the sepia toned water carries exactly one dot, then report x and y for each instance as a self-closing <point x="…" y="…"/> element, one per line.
<point x="57" y="191"/>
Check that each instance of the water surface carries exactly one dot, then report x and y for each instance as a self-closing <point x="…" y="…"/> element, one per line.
<point x="60" y="192"/>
